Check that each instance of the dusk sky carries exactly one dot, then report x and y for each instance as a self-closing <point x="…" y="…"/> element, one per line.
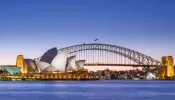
<point x="31" y="27"/>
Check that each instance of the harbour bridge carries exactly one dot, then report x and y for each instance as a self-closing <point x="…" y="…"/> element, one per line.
<point x="97" y="54"/>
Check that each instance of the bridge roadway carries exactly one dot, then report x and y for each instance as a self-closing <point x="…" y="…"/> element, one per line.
<point x="127" y="65"/>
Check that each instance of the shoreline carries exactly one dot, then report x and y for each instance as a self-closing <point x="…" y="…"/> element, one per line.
<point x="84" y="80"/>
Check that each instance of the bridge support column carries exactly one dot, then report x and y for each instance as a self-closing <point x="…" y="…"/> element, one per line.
<point x="163" y="70"/>
<point x="170" y="67"/>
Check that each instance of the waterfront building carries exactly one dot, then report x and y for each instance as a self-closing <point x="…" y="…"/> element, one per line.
<point x="51" y="65"/>
<point x="99" y="73"/>
<point x="12" y="70"/>
<point x="150" y="76"/>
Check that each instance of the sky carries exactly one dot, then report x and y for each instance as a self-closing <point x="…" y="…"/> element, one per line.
<point x="31" y="27"/>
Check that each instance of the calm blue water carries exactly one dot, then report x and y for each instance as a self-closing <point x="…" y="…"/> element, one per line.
<point x="88" y="90"/>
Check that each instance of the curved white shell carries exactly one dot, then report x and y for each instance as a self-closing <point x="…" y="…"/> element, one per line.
<point x="60" y="60"/>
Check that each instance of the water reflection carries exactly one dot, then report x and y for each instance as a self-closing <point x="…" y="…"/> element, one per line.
<point x="88" y="90"/>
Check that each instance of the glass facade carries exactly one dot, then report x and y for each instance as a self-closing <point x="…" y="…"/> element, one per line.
<point x="12" y="70"/>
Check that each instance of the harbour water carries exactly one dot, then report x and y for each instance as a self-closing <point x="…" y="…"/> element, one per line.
<point x="87" y="90"/>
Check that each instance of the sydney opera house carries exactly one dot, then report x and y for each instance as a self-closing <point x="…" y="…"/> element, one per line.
<point x="51" y="65"/>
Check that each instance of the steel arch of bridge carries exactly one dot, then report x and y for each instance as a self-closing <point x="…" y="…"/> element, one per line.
<point x="133" y="55"/>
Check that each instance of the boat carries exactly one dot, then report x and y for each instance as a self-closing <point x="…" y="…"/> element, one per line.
<point x="135" y="78"/>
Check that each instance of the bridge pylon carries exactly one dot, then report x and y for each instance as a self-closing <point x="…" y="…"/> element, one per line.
<point x="170" y="67"/>
<point x="167" y="70"/>
<point x="163" y="70"/>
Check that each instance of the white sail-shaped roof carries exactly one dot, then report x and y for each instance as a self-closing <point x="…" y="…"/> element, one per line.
<point x="42" y="65"/>
<point x="31" y="65"/>
<point x="79" y="64"/>
<point x="50" y="69"/>
<point x="49" y="55"/>
<point x="60" y="60"/>
<point x="71" y="63"/>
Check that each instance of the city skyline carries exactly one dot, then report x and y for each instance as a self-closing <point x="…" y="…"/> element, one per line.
<point x="31" y="27"/>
